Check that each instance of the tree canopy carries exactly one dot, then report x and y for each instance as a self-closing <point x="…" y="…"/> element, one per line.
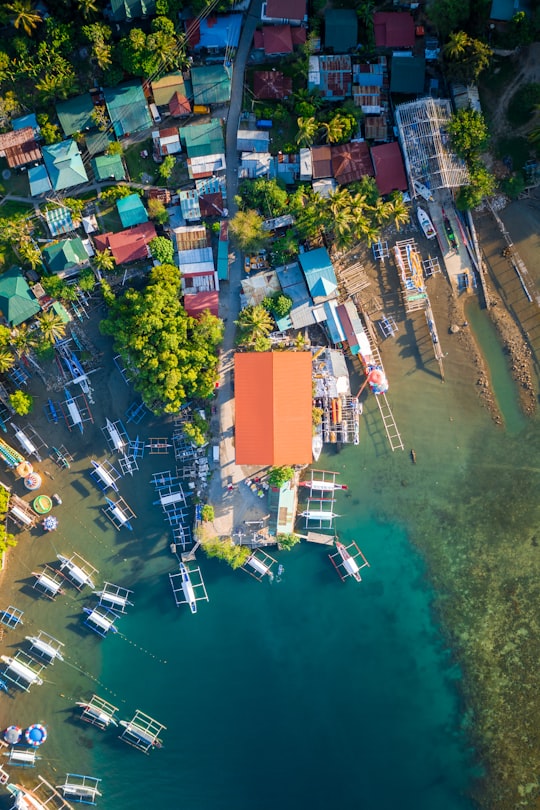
<point x="173" y="355"/>
<point x="468" y="132"/>
<point x="247" y="229"/>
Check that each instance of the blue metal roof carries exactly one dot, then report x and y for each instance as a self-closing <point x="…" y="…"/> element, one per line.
<point x="333" y="325"/>
<point x="218" y="33"/>
<point x="319" y="272"/>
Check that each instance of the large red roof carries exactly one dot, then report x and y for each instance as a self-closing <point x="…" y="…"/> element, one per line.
<point x="273" y="402"/>
<point x="129" y="245"/>
<point x="271" y="84"/>
<point x="389" y="168"/>
<point x="394" y="29"/>
<point x="351" y="161"/>
<point x="277" y="39"/>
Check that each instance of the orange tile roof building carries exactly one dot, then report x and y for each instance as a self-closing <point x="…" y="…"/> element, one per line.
<point x="273" y="401"/>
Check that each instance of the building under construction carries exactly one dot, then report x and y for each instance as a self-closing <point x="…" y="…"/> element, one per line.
<point x="423" y="134"/>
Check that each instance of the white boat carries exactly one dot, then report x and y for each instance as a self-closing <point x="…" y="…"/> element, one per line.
<point x="187" y="588"/>
<point x="316" y="446"/>
<point x="349" y="563"/>
<point x="426" y="224"/>
<point x="423" y="190"/>
<point x="97" y="714"/>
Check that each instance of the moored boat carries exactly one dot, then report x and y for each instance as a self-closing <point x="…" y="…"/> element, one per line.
<point x="426" y="224"/>
<point x="422" y="190"/>
<point x="316" y="446"/>
<point x="349" y="563"/>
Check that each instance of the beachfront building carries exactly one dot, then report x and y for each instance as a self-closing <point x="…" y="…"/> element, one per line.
<point x="17" y="302"/>
<point x="389" y="168"/>
<point x="273" y="418"/>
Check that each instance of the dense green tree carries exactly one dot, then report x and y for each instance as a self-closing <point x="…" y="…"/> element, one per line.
<point x="29" y="253"/>
<point x="5" y="335"/>
<point x="21" y="402"/>
<point x="49" y="132"/>
<point x="466" y="58"/>
<point x="247" y="229"/>
<point x="114" y="148"/>
<point x="207" y="513"/>
<point x="114" y="193"/>
<point x="224" y="549"/>
<point x="482" y="184"/>
<point x="166" y="168"/>
<point x="287" y="541"/>
<point x="157" y="211"/>
<point x="87" y="280"/>
<point x="162" y="249"/>
<point x="174" y="354"/>
<point x="88" y="8"/>
<point x="448" y="15"/>
<point x="280" y="475"/>
<point x="23" y="340"/>
<point x="468" y="132"/>
<point x="269" y="197"/>
<point x="340" y="128"/>
<point x="279" y="305"/>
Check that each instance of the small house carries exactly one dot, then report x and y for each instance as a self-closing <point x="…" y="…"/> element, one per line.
<point x="166" y="141"/>
<point x="75" y="115"/>
<point x="108" y="167"/>
<point x="19" y="147"/>
<point x="131" y="211"/>
<point x="407" y="74"/>
<point x="211" y="84"/>
<point x="164" y="89"/>
<point x="341" y="29"/>
<point x="197" y="303"/>
<point x="64" y="165"/>
<point x="252" y="140"/>
<point x="284" y="11"/>
<point x="127" y="108"/>
<point x="389" y="168"/>
<point x="394" y="29"/>
<point x="65" y="258"/>
<point x="203" y="139"/>
<point x="17" y="302"/>
<point x="320" y="275"/>
<point x="351" y="161"/>
<point x="129" y="245"/>
<point x="331" y="76"/>
<point x="214" y="34"/>
<point x="271" y="85"/>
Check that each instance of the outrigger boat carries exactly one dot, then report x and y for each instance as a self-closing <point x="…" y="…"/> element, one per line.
<point x="187" y="588"/>
<point x="426" y="224"/>
<point x="98" y="712"/>
<point x="347" y="561"/>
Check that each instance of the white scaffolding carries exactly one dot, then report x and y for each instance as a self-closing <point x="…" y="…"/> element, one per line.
<point x="423" y="133"/>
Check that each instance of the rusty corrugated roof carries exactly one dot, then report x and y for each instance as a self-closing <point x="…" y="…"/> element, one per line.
<point x="273" y="402"/>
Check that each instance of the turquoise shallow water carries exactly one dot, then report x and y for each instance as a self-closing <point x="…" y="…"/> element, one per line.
<point x="304" y="693"/>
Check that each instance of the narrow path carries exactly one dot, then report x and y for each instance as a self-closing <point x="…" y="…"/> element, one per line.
<point x="229" y="305"/>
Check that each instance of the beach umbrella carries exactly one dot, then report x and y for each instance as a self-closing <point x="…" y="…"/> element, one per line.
<point x="50" y="523"/>
<point x="12" y="735"/>
<point x="35" y="735"/>
<point x="23" y="469"/>
<point x="33" y="481"/>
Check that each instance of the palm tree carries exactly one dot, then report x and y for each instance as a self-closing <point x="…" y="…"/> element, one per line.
<point x="29" y="253"/>
<point x="102" y="55"/>
<point x="457" y="44"/>
<point x="339" y="201"/>
<point x="7" y="360"/>
<point x="400" y="214"/>
<point x="334" y="129"/>
<point x="51" y="326"/>
<point x="87" y="8"/>
<point x="105" y="261"/>
<point x="307" y="131"/>
<point x="23" y="340"/>
<point x="24" y="16"/>
<point x="308" y="97"/>
<point x="254" y="322"/>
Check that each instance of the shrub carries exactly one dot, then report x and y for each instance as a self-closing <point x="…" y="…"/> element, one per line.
<point x="287" y="541"/>
<point x="21" y="402"/>
<point x="280" y="475"/>
<point x="224" y="549"/>
<point x="207" y="513"/>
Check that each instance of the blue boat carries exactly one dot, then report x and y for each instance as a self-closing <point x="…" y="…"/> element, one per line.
<point x="52" y="411"/>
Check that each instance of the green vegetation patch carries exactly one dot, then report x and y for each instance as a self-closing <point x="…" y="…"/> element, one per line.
<point x="522" y="104"/>
<point x="518" y="149"/>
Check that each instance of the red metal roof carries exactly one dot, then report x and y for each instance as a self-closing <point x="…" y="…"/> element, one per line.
<point x="351" y="161"/>
<point x="179" y="105"/>
<point x="211" y="205"/>
<point x="129" y="245"/>
<point x="389" y="168"/>
<point x="196" y="303"/>
<point x="286" y="9"/>
<point x="322" y="162"/>
<point x="271" y="84"/>
<point x="19" y="147"/>
<point x="273" y="402"/>
<point x="299" y="35"/>
<point x="394" y="29"/>
<point x="277" y="39"/>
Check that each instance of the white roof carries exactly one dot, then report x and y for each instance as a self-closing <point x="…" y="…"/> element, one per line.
<point x="207" y="163"/>
<point x="306" y="163"/>
<point x="90" y="224"/>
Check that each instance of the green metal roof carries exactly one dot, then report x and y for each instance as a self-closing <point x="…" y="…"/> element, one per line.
<point x="17" y="303"/>
<point x="106" y="167"/>
<point x="97" y="142"/>
<point x="127" y="108"/>
<point x="203" y="139"/>
<point x="75" y="115"/>
<point x="64" y="165"/>
<point x="341" y="29"/>
<point x="61" y="257"/>
<point x="59" y="309"/>
<point x="211" y="84"/>
<point x="408" y="74"/>
<point x="131" y="211"/>
<point x="132" y="9"/>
